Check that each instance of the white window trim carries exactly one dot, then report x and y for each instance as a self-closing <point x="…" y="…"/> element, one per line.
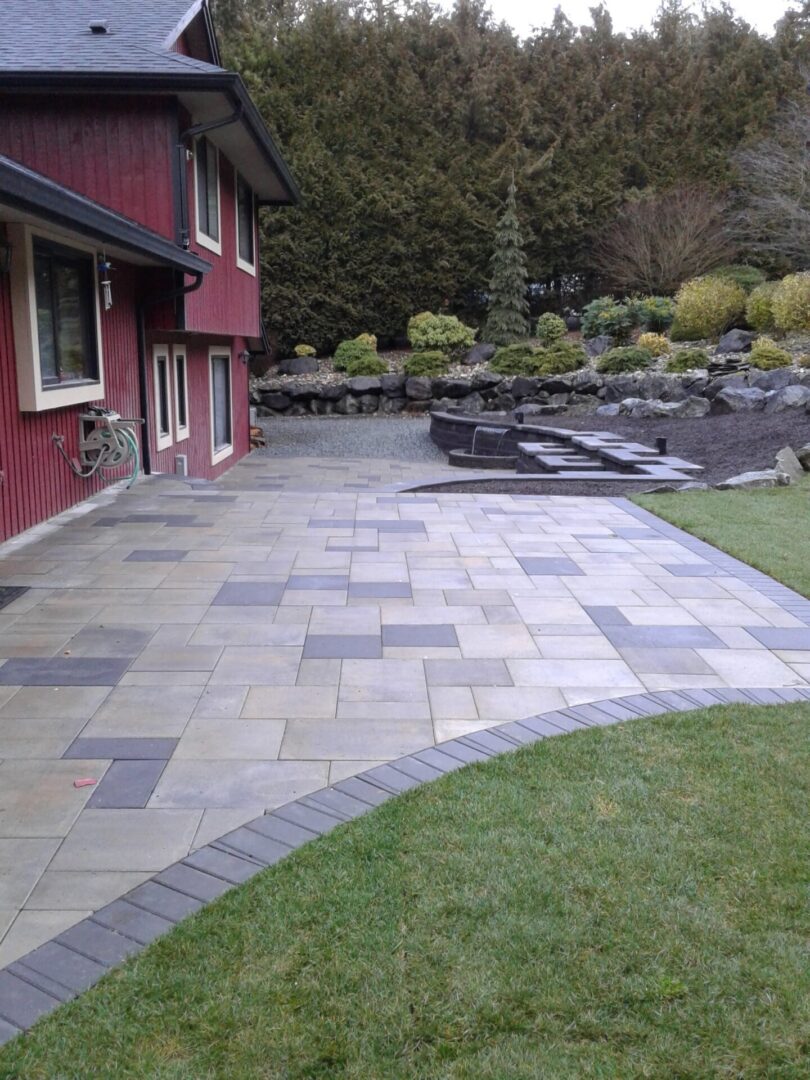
<point x="224" y="451"/>
<point x="202" y="239"/>
<point x="180" y="430"/>
<point x="249" y="268"/>
<point x="32" y="396"/>
<point x="162" y="440"/>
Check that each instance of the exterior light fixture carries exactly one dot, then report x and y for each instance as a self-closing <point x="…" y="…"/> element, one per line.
<point x="104" y="269"/>
<point x="244" y="356"/>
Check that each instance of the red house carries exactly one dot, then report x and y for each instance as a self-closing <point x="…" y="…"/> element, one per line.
<point x="132" y="167"/>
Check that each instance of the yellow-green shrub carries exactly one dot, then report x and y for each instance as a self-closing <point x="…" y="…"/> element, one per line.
<point x="705" y="307"/>
<point x="304" y="350"/>
<point x="368" y="339"/>
<point x="348" y="351"/>
<point x="759" y="309"/>
<point x="370" y="364"/>
<point x="766" y="354"/>
<point x="550" y="328"/>
<point x="429" y="364"/>
<point x="655" y="344"/>
<point x="791" y="302"/>
<point x="444" y="333"/>
<point x="687" y="360"/>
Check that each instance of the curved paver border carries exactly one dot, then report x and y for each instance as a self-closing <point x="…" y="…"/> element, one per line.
<point x="73" y="961"/>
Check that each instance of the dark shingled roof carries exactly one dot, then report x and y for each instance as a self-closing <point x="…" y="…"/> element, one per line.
<point x="55" y="36"/>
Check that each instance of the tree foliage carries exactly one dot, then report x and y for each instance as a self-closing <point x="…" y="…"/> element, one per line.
<point x="401" y="121"/>
<point x="507" y="317"/>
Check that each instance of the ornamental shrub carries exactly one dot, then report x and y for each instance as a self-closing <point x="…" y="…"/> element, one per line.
<point x="550" y="328"/>
<point x="347" y="351"/>
<point x="747" y="277"/>
<point x="655" y="344"/>
<point x="654" y="313"/>
<point x="766" y="354"/>
<point x="705" y="307"/>
<point x="444" y="333"/>
<point x="565" y="355"/>
<point x="759" y="308"/>
<point x="686" y="360"/>
<point x="631" y="358"/>
<point x="370" y="364"/>
<point x="607" y="316"/>
<point x="518" y="359"/>
<point x="791" y="302"/>
<point x="429" y="364"/>
<point x="304" y="350"/>
<point x="368" y="339"/>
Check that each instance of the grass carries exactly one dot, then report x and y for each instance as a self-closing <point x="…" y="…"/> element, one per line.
<point x="619" y="903"/>
<point x="767" y="528"/>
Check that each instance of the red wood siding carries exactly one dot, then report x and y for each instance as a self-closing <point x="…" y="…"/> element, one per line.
<point x="117" y="151"/>
<point x="228" y="302"/>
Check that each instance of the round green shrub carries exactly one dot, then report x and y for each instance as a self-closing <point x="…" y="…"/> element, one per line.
<point x="550" y="328"/>
<point x="444" y="333"/>
<point x="304" y="350"/>
<point x="630" y="358"/>
<point x="705" y="307"/>
<point x="368" y="339"/>
<point x="791" y="302"/>
<point x="561" y="357"/>
<point x="518" y="359"/>
<point x="347" y="351"/>
<point x="607" y="316"/>
<point x="655" y="344"/>
<point x="747" y="277"/>
<point x="654" y="313"/>
<point x="370" y="364"/>
<point x="766" y="355"/>
<point x="759" y="308"/>
<point x="428" y="364"/>
<point x="687" y="360"/>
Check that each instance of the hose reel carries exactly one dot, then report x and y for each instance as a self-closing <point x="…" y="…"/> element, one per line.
<point x="106" y="441"/>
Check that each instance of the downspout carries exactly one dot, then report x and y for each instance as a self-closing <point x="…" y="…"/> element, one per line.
<point x="143" y="383"/>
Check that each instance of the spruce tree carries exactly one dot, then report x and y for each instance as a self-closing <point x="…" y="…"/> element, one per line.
<point x="508" y="309"/>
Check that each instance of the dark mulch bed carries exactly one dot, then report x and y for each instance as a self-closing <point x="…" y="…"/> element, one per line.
<point x="723" y="445"/>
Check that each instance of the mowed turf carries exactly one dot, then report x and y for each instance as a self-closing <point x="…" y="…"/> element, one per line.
<point x="621" y="902"/>
<point x="768" y="528"/>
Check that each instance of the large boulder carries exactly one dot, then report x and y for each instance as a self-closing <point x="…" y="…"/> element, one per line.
<point x="587" y="381"/>
<point x="804" y="457"/>
<point x="663" y="387"/>
<point x="774" y="380"/>
<point x="485" y="380"/>
<point x="583" y="404"/>
<point x="789" y="397"/>
<point x="722" y="382"/>
<point x="298" y="365"/>
<point x="595" y="346"/>
<point x="302" y="391"/>
<point x="735" y="341"/>
<point x="523" y="387"/>
<point x="393" y="385"/>
<point x="369" y="403"/>
<point x="762" y="478"/>
<point x="734" y="399"/>
<point x="332" y="391"/>
<point x="392" y="405"/>
<point x="787" y="462"/>
<point x="273" y="400"/>
<point x="613" y="409"/>
<point x="620" y="387"/>
<point x="419" y="388"/>
<point x="451" y="388"/>
<point x="478" y="354"/>
<point x="472" y="403"/>
<point x="364" y="384"/>
<point x="348" y="406"/>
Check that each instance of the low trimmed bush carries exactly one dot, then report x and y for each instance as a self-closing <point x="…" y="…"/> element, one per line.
<point x="517" y="359"/>
<point x="791" y="302"/>
<point x="428" y="364"/>
<point x="347" y="351"/>
<point x="705" y="307"/>
<point x="304" y="350"/>
<point x="687" y="360"/>
<point x="759" y="308"/>
<point x="766" y="355"/>
<point x="445" y="333"/>
<point x="654" y="313"/>
<point x="655" y="344"/>
<point x="562" y="356"/>
<point x="550" y="328"/>
<point x="607" y="316"/>
<point x="747" y="277"/>
<point x="370" y="364"/>
<point x="368" y="339"/>
<point x="630" y="358"/>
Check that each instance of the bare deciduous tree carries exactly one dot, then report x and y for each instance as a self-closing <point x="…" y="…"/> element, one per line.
<point x="660" y="240"/>
<point x="774" y="214"/>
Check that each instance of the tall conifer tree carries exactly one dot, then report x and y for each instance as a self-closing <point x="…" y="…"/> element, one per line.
<point x="507" y="320"/>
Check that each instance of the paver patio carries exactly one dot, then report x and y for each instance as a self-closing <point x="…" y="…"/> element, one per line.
<point x="208" y="652"/>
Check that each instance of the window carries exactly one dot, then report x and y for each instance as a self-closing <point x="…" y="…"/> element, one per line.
<point x="206" y="174"/>
<point x="57" y="320"/>
<point x="163" y="430"/>
<point x="221" y="413"/>
<point x="64" y="283"/>
<point x="245" y="227"/>
<point x="180" y="395"/>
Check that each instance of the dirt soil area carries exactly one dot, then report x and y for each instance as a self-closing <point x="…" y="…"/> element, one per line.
<point x="723" y="445"/>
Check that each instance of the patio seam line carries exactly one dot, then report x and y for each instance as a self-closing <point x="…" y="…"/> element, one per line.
<point x="20" y="1018"/>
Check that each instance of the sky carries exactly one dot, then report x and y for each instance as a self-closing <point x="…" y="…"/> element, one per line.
<point x="627" y="14"/>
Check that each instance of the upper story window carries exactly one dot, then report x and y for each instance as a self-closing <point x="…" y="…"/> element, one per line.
<point x="64" y="281"/>
<point x="245" y="226"/>
<point x="206" y="181"/>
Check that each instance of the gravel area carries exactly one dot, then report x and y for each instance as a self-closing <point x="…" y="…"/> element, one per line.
<point x="394" y="437"/>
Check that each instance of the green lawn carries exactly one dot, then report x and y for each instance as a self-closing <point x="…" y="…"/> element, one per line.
<point x="618" y="903"/>
<point x="768" y="528"/>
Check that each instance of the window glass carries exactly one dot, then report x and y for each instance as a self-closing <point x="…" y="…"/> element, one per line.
<point x="221" y="391"/>
<point x="244" y="220"/>
<point x="64" y="286"/>
<point x="180" y="380"/>
<point x="207" y="189"/>
<point x="162" y="375"/>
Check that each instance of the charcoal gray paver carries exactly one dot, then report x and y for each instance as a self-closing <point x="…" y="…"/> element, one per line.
<point x="413" y="766"/>
<point x="381" y="590"/>
<point x="42" y="982"/>
<point x="98" y="942"/>
<point x="443" y="763"/>
<point x="8" y="1032"/>
<point x="193" y="882"/>
<point x="415" y="635"/>
<point x="247" y="842"/>
<point x="390" y="778"/>
<point x="126" y="785"/>
<point x="335" y="582"/>
<point x="342" y="646"/>
<point x="776" y="637"/>
<point x="462" y="751"/>
<point x="133" y="922"/>
<point x="21" y="1003"/>
<point x="536" y="566"/>
<point x="361" y="789"/>
<point x="249" y="594"/>
<point x="337" y="802"/>
<point x="319" y="821"/>
<point x="158" y="555"/>
<point x="121" y="749"/>
<point x="663" y="637"/>
<point x="222" y="864"/>
<point x="163" y="901"/>
<point x="285" y="832"/>
<point x="63" y="671"/>
<point x="604" y="615"/>
<point x="694" y="570"/>
<point x="64" y="966"/>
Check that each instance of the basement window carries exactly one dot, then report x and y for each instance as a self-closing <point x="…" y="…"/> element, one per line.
<point x="206" y="181"/>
